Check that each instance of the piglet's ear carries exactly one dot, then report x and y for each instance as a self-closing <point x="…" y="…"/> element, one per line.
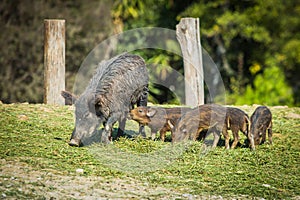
<point x="151" y="112"/>
<point x="69" y="97"/>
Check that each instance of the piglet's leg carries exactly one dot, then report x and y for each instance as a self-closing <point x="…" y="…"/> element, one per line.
<point x="251" y="140"/>
<point x="226" y="136"/>
<point x="153" y="135"/>
<point x="216" y="138"/>
<point x="142" y="130"/>
<point x="143" y="102"/>
<point x="236" y="140"/>
<point x="163" y="133"/>
<point x="264" y="133"/>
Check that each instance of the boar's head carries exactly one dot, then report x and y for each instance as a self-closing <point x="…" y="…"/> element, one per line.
<point x="87" y="117"/>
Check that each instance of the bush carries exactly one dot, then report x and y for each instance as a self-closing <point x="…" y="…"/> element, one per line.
<point x="269" y="88"/>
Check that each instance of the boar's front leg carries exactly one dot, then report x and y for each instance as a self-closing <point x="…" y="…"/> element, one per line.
<point x="106" y="134"/>
<point x="122" y="123"/>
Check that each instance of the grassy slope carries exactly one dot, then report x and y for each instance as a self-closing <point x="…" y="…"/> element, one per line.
<point x="38" y="134"/>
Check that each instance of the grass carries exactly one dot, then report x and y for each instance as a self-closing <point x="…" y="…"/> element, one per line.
<point x="38" y="134"/>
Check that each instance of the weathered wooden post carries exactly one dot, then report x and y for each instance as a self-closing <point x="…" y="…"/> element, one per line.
<point x="54" y="61"/>
<point x="188" y="35"/>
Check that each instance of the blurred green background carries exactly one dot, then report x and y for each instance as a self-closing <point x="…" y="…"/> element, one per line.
<point x="255" y="44"/>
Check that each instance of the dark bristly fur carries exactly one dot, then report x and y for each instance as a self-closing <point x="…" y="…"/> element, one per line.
<point x="157" y="118"/>
<point x="237" y="120"/>
<point x="209" y="117"/>
<point x="117" y="85"/>
<point x="261" y="122"/>
<point x="213" y="118"/>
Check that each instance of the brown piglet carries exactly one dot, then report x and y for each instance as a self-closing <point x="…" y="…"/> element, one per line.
<point x="261" y="122"/>
<point x="156" y="118"/>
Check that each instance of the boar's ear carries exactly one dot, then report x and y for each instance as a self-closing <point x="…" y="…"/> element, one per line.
<point x="69" y="97"/>
<point x="98" y="100"/>
<point x="91" y="102"/>
<point x="151" y="112"/>
<point x="94" y="103"/>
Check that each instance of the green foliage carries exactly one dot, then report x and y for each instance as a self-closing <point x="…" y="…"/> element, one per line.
<point x="21" y="57"/>
<point x="139" y="14"/>
<point x="269" y="88"/>
<point x="292" y="50"/>
<point x="38" y="134"/>
<point x="237" y="35"/>
<point x="128" y="9"/>
<point x="257" y="30"/>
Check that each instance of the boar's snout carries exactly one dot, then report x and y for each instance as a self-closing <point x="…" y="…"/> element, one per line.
<point x="75" y="142"/>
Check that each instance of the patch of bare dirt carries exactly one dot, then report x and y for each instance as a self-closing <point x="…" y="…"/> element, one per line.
<point x="292" y="116"/>
<point x="18" y="180"/>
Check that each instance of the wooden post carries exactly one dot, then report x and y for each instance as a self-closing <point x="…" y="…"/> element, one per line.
<point x="54" y="61"/>
<point x="188" y="35"/>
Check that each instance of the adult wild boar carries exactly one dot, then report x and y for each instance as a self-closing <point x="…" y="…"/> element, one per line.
<point x="209" y="117"/>
<point x="157" y="118"/>
<point x="117" y="85"/>
<point x="237" y="120"/>
<point x="261" y="122"/>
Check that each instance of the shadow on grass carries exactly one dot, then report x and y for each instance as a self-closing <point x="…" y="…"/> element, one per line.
<point x="130" y="134"/>
<point x="96" y="137"/>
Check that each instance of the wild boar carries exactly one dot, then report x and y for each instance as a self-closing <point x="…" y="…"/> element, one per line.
<point x="157" y="118"/>
<point x="261" y="122"/>
<point x="117" y="85"/>
<point x="209" y="117"/>
<point x="237" y="120"/>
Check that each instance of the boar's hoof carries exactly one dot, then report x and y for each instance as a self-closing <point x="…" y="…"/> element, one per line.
<point x="74" y="142"/>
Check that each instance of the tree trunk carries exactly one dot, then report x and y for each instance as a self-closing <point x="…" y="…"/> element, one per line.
<point x="188" y="35"/>
<point x="54" y="61"/>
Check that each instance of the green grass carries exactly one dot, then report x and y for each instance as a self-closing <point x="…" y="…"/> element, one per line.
<point x="38" y="134"/>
